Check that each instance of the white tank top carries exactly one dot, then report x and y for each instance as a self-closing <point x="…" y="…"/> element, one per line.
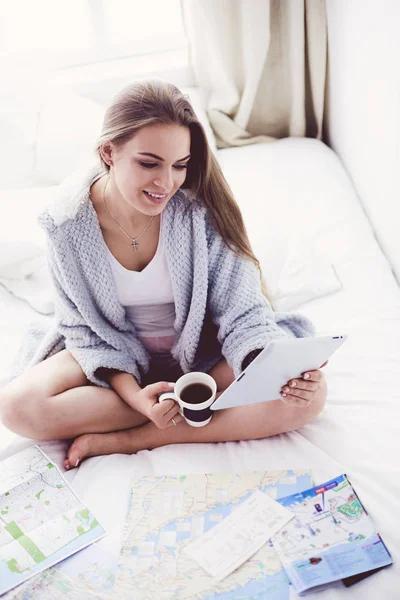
<point x="148" y="298"/>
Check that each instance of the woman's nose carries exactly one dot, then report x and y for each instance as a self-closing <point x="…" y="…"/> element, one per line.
<point x="164" y="181"/>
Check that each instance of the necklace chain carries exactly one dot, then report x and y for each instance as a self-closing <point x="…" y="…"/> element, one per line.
<point x="133" y="240"/>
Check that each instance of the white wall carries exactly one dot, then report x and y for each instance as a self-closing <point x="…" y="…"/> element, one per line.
<point x="363" y="108"/>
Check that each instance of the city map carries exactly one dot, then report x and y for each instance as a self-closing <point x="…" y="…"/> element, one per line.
<point x="166" y="513"/>
<point x="41" y="519"/>
<point x="331" y="536"/>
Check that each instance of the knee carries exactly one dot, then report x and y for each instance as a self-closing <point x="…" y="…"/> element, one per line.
<point x="16" y="413"/>
<point x="10" y="410"/>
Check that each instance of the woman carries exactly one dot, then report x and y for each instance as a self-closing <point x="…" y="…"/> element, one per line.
<point x="154" y="276"/>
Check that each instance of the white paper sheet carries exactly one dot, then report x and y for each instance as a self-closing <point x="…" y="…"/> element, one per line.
<point x="233" y="541"/>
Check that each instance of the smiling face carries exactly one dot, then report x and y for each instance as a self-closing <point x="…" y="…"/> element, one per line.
<point x="150" y="167"/>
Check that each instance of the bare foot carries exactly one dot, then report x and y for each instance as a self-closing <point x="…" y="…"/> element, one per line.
<point x="79" y="449"/>
<point x="97" y="444"/>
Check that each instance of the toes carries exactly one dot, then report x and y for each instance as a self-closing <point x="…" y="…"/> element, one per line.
<point x="66" y="464"/>
<point x="74" y="457"/>
<point x="78" y="450"/>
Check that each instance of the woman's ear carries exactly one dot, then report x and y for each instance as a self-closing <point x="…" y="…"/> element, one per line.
<point x="106" y="151"/>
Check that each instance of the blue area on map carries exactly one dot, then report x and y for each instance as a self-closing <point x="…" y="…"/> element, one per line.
<point x="222" y="510"/>
<point x="305" y="494"/>
<point x="225" y="508"/>
<point x="169" y="527"/>
<point x="181" y="535"/>
<point x="277" y="585"/>
<point x="8" y="579"/>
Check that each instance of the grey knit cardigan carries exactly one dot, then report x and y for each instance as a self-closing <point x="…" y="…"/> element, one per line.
<point x="220" y="308"/>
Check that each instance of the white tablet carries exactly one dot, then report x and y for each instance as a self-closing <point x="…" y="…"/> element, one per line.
<point x="283" y="359"/>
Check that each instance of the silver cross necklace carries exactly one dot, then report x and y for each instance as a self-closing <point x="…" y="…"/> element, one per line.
<point x="134" y="243"/>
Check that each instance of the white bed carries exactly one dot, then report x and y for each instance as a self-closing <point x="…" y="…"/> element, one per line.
<point x="358" y="431"/>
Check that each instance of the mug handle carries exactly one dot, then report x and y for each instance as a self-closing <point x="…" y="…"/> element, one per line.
<point x="170" y="396"/>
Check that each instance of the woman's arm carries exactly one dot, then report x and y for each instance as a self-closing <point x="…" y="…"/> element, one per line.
<point x="87" y="347"/>
<point x="144" y="400"/>
<point x="124" y="384"/>
<point x="250" y="357"/>
<point x="243" y="314"/>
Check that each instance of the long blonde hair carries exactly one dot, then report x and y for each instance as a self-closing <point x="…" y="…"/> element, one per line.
<point x="149" y="102"/>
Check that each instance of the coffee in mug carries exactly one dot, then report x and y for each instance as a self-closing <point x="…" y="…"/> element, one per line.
<point x="194" y="392"/>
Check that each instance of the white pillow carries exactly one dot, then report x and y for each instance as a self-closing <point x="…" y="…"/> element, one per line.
<point x="19" y="259"/>
<point x="306" y="274"/>
<point x="35" y="287"/>
<point x="20" y="209"/>
<point x="17" y="155"/>
<point x="68" y="128"/>
<point x="21" y="95"/>
<point x="23" y="268"/>
<point x="24" y="273"/>
<point x="286" y="238"/>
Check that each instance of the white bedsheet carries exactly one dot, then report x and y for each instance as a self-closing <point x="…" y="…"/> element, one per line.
<point x="358" y="432"/>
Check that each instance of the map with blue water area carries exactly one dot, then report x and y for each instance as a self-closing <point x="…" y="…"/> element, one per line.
<point x="167" y="513"/>
<point x="331" y="536"/>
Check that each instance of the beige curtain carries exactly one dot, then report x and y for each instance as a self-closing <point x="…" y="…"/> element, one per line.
<point x="262" y="64"/>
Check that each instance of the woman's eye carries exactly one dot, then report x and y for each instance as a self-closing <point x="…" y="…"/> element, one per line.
<point x="152" y="165"/>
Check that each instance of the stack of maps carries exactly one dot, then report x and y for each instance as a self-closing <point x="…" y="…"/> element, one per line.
<point x="42" y="522"/>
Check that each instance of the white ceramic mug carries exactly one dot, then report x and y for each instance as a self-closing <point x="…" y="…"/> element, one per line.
<point x="197" y="414"/>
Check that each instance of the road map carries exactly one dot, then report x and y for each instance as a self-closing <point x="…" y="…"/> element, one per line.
<point x="167" y="513"/>
<point x="331" y="537"/>
<point x="41" y="519"/>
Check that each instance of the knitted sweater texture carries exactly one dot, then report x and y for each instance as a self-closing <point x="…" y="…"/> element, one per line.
<point x="220" y="308"/>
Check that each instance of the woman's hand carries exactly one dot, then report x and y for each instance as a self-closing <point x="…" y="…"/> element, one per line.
<point x="161" y="413"/>
<point x="301" y="392"/>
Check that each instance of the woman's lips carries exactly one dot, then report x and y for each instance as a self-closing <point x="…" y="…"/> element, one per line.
<point x="155" y="200"/>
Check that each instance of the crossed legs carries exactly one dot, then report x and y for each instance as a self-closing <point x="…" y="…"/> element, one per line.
<point x="54" y="400"/>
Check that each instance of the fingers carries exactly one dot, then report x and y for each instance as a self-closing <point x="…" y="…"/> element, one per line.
<point x="298" y="397"/>
<point x="159" y="388"/>
<point x="310" y="376"/>
<point x="164" y="407"/>
<point x="300" y="402"/>
<point x="162" y="413"/>
<point x="296" y="386"/>
<point x="173" y="412"/>
<point x="301" y="392"/>
<point x="177" y="418"/>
